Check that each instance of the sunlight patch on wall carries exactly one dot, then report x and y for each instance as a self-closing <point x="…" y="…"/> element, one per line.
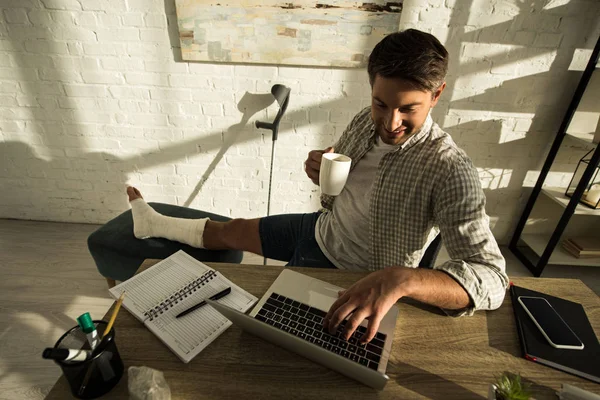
<point x="537" y="64"/>
<point x="515" y="128"/>
<point x="580" y="59"/>
<point x="536" y="221"/>
<point x="494" y="178"/>
<point x="493" y="221"/>
<point x="555" y="3"/>
<point x="554" y="179"/>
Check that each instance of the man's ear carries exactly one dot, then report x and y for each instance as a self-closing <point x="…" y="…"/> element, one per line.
<point x="437" y="94"/>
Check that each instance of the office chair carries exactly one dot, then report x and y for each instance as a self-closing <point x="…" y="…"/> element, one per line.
<point x="431" y="253"/>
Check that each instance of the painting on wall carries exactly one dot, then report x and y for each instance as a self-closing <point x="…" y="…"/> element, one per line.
<point x="328" y="33"/>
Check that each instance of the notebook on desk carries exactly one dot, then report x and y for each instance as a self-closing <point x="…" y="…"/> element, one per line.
<point x="584" y="363"/>
<point x="156" y="295"/>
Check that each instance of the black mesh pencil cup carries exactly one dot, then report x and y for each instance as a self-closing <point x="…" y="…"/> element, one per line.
<point x="98" y="374"/>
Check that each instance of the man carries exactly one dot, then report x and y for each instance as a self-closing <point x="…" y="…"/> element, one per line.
<point x="408" y="179"/>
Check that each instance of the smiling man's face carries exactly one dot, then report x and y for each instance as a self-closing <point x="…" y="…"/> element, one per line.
<point x="398" y="109"/>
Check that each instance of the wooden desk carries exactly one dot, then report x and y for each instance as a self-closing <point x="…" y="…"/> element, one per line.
<point x="433" y="356"/>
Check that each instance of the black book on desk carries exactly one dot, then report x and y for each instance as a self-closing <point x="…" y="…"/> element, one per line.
<point x="584" y="363"/>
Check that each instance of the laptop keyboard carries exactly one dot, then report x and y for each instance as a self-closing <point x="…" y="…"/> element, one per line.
<point x="306" y="323"/>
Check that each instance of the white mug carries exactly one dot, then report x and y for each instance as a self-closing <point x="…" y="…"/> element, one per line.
<point x="334" y="173"/>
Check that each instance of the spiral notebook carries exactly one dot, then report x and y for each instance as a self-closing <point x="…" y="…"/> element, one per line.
<point x="156" y="295"/>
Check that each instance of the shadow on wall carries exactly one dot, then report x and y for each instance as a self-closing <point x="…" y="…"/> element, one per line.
<point x="91" y="184"/>
<point x="505" y="161"/>
<point x="46" y="116"/>
<point x="248" y="105"/>
<point x="45" y="193"/>
<point x="91" y="194"/>
<point x="99" y="178"/>
<point x="303" y="116"/>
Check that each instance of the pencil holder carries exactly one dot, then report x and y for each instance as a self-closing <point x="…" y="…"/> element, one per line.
<point x="98" y="375"/>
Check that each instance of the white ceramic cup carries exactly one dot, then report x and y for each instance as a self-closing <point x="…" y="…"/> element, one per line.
<point x="334" y="173"/>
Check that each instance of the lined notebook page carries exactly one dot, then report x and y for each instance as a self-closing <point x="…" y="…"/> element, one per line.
<point x="190" y="334"/>
<point x="149" y="288"/>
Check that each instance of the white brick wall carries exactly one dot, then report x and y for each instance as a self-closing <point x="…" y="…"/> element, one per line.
<point x="92" y="98"/>
<point x="508" y="88"/>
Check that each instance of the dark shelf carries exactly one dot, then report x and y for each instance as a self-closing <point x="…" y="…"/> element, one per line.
<point x="537" y="251"/>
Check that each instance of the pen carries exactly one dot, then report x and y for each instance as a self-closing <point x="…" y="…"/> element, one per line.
<point x="51" y="353"/>
<point x="217" y="296"/>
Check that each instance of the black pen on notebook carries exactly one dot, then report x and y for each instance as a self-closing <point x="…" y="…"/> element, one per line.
<point x="217" y="296"/>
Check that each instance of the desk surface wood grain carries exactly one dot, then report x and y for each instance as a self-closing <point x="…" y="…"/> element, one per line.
<point x="433" y="356"/>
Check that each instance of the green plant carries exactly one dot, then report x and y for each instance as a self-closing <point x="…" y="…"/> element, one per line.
<point x="510" y="387"/>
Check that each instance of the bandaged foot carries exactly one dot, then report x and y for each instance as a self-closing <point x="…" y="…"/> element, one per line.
<point x="147" y="223"/>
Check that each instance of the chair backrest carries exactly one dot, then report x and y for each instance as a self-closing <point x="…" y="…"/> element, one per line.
<point x="431" y="253"/>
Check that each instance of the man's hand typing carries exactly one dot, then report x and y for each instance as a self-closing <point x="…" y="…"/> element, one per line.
<point x="371" y="298"/>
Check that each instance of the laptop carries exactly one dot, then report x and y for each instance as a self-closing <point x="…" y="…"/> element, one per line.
<point x="290" y="315"/>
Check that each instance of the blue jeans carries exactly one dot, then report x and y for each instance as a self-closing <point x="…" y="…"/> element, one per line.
<point x="291" y="238"/>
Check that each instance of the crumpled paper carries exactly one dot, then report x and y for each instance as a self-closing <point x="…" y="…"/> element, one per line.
<point x="147" y="384"/>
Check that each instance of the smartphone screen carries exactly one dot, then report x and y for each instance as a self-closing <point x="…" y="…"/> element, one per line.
<point x="554" y="328"/>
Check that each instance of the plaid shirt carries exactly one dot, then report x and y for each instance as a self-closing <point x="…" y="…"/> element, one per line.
<point x="427" y="184"/>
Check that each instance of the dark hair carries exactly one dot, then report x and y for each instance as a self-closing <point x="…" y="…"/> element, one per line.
<point x="411" y="55"/>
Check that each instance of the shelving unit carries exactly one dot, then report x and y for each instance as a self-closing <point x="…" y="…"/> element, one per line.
<point x="558" y="195"/>
<point x="538" y="243"/>
<point x="536" y="250"/>
<point x="586" y="138"/>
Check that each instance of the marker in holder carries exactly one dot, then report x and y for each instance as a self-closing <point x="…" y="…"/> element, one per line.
<point x="72" y="355"/>
<point x="89" y="328"/>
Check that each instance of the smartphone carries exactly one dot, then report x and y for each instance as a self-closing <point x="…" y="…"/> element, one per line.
<point x="549" y="322"/>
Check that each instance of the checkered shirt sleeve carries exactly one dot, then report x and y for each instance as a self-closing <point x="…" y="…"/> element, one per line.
<point x="476" y="262"/>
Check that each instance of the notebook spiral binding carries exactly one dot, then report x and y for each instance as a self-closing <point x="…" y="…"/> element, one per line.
<point x="179" y="295"/>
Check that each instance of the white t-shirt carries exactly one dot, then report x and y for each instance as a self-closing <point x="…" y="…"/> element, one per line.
<point x="343" y="233"/>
